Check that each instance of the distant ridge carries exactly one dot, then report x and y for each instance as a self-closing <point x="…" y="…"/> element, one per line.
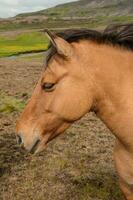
<point x="82" y="13"/>
<point x="87" y="8"/>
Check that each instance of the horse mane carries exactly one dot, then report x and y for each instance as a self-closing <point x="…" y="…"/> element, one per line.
<point x="117" y="35"/>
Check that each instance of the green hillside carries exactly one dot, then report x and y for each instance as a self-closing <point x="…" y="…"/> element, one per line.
<point x="88" y="8"/>
<point x="83" y="13"/>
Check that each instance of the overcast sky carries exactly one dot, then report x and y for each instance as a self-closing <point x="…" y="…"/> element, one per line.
<point x="9" y="8"/>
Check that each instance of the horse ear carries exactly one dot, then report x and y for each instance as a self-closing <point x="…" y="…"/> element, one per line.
<point x="62" y="46"/>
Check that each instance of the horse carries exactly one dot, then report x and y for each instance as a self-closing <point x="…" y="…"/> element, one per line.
<point x="85" y="70"/>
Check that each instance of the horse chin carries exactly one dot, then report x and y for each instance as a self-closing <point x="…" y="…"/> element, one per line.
<point x="40" y="145"/>
<point x="40" y="148"/>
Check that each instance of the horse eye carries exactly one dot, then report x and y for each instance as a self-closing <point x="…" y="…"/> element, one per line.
<point x="48" y="87"/>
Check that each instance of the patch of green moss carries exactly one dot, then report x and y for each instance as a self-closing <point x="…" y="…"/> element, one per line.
<point x="9" y="104"/>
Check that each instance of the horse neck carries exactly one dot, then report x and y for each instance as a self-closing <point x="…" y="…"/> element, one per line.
<point x="112" y="73"/>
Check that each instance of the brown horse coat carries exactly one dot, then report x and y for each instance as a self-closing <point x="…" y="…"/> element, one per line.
<point x="85" y="70"/>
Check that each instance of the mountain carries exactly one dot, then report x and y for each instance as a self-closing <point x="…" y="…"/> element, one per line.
<point x="82" y="13"/>
<point x="87" y="8"/>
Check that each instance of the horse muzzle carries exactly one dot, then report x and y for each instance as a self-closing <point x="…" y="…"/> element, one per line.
<point x="35" y="145"/>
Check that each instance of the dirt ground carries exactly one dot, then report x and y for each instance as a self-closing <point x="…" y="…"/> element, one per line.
<point x="78" y="165"/>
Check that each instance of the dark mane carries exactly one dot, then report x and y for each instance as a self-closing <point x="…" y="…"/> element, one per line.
<point x="117" y="35"/>
<point x="121" y="35"/>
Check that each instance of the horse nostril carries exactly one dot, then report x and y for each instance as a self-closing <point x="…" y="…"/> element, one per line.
<point x="19" y="140"/>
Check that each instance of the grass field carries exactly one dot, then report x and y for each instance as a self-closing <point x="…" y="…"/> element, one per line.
<point x="35" y="41"/>
<point x="88" y="22"/>
<point x="23" y="43"/>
